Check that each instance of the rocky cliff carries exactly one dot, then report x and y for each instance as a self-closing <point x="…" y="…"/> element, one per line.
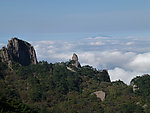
<point x="76" y="62"/>
<point x="18" y="51"/>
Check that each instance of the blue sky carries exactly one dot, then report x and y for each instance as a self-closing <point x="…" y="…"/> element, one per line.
<point x="51" y="18"/>
<point x="107" y="34"/>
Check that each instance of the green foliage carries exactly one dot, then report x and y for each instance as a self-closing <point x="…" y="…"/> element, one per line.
<point x="65" y="80"/>
<point x="52" y="88"/>
<point x="35" y="94"/>
<point x="91" y="72"/>
<point x="87" y="71"/>
<point x="13" y="106"/>
<point x="3" y="67"/>
<point x="119" y="82"/>
<point x="131" y="108"/>
<point x="69" y="63"/>
<point x="143" y="84"/>
<point x="76" y="103"/>
<point x="103" y="76"/>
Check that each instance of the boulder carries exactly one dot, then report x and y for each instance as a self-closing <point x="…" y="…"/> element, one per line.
<point x="100" y="94"/>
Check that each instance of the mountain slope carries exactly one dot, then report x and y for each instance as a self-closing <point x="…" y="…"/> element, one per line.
<point x="67" y="88"/>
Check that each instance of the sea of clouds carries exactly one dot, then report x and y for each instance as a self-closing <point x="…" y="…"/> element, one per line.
<point x="124" y="58"/>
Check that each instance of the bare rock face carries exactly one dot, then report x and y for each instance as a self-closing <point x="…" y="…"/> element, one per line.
<point x="75" y="57"/>
<point x="100" y="94"/>
<point x="4" y="55"/>
<point x="18" y="51"/>
<point x="76" y="62"/>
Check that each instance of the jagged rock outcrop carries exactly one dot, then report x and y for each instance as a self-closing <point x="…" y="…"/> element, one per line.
<point x="75" y="57"/>
<point x="18" y="51"/>
<point x="76" y="62"/>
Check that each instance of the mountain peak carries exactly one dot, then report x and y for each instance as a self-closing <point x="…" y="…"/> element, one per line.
<point x="18" y="51"/>
<point x="76" y="62"/>
<point x="75" y="57"/>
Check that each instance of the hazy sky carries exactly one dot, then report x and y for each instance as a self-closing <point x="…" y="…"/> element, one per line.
<point x="46" y="18"/>
<point x="110" y="34"/>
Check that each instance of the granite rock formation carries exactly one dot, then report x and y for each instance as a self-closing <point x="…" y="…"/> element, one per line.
<point x="100" y="94"/>
<point x="76" y="62"/>
<point x="18" y="51"/>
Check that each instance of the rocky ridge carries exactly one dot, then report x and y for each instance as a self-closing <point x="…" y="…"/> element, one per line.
<point x="18" y="51"/>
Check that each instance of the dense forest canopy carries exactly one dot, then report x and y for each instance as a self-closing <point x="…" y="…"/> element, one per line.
<point x="47" y="87"/>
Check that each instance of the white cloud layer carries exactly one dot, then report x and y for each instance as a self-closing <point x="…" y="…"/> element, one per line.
<point x="129" y="43"/>
<point x="123" y="60"/>
<point x="124" y="75"/>
<point x="141" y="62"/>
<point x="97" y="43"/>
<point x="1" y="45"/>
<point x="98" y="37"/>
